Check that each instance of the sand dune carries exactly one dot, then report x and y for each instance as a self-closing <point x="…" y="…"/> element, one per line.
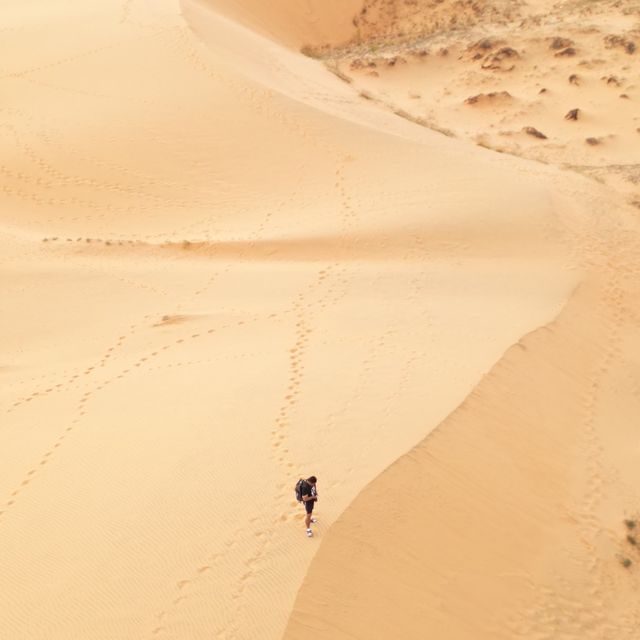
<point x="517" y="517"/>
<point x="508" y="520"/>
<point x="223" y="268"/>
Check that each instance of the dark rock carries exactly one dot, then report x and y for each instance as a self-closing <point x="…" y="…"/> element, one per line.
<point x="612" y="80"/>
<point x="532" y="131"/>
<point x="592" y="141"/>
<point x="494" y="61"/>
<point x="485" y="44"/>
<point x="572" y="115"/>
<point x="560" y="43"/>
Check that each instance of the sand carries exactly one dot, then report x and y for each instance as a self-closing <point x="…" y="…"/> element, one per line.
<point x="224" y="266"/>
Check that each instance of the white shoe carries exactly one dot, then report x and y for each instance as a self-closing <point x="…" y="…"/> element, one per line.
<point x="314" y="520"/>
<point x="309" y="533"/>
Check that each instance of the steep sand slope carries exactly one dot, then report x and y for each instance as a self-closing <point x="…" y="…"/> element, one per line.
<point x="211" y="286"/>
<point x="512" y="518"/>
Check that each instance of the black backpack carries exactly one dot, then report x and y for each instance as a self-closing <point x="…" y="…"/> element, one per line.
<point x="299" y="489"/>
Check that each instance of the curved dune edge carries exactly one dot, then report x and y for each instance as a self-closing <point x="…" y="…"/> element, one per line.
<point x="507" y="520"/>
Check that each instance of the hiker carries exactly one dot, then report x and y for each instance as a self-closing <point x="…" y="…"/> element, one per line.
<point x="308" y="497"/>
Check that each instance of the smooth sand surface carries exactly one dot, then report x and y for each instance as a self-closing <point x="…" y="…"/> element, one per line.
<point x="223" y="268"/>
<point x="290" y="22"/>
<point x="508" y="521"/>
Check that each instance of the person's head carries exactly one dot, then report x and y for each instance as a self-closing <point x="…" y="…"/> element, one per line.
<point x="312" y="480"/>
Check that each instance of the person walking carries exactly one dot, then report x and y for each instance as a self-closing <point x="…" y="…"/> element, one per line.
<point x="309" y="496"/>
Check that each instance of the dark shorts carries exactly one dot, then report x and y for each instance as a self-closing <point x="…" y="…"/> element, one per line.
<point x="309" y="506"/>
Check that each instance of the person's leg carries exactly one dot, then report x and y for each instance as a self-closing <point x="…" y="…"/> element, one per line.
<point x="307" y="521"/>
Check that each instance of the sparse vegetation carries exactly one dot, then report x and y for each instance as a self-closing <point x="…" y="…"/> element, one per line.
<point x="631" y="525"/>
<point x="432" y="35"/>
<point x="613" y="41"/>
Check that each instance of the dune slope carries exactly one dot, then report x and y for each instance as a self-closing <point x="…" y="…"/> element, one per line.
<point x="512" y="518"/>
<point x="518" y="515"/>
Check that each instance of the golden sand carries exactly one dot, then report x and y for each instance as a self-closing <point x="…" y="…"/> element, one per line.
<point x="226" y="264"/>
